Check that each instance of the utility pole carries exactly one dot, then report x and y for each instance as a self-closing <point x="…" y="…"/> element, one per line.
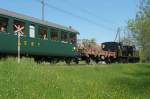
<point x="43" y="6"/>
<point x="129" y="37"/>
<point x="118" y="35"/>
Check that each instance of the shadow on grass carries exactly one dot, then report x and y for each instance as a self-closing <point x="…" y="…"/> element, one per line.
<point x="137" y="82"/>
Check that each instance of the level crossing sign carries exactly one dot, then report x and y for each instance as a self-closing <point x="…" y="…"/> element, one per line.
<point x="19" y="31"/>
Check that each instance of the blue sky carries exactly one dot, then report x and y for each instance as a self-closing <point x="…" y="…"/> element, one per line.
<point x="108" y="14"/>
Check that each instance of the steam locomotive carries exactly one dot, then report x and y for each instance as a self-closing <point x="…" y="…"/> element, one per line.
<point x="124" y="53"/>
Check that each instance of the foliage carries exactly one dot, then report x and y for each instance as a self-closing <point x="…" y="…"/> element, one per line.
<point x="29" y="80"/>
<point x="140" y="27"/>
<point x="88" y="43"/>
<point x="127" y="41"/>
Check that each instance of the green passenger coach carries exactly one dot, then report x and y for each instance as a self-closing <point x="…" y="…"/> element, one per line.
<point x="41" y="40"/>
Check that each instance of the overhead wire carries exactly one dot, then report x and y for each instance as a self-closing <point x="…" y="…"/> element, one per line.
<point x="88" y="12"/>
<point x="76" y="16"/>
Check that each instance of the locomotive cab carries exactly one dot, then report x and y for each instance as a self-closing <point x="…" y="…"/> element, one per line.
<point x="128" y="50"/>
<point x="111" y="46"/>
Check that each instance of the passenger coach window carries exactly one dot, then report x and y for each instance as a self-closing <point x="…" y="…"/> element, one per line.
<point x="54" y="35"/>
<point x="3" y="24"/>
<point x="32" y="31"/>
<point x="19" y="24"/>
<point x="64" y="36"/>
<point x="43" y="33"/>
<point x="72" y="38"/>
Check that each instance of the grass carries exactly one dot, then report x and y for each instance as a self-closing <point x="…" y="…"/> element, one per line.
<point x="29" y="80"/>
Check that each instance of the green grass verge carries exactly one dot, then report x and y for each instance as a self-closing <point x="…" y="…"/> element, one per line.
<point x="29" y="80"/>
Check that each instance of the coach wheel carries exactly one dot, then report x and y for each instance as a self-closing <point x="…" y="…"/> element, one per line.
<point x="68" y="61"/>
<point x="76" y="61"/>
<point x="54" y="61"/>
<point x="39" y="60"/>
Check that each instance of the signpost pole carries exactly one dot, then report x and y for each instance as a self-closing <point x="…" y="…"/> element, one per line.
<point x="19" y="47"/>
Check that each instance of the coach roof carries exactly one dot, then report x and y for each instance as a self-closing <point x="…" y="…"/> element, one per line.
<point x="36" y="20"/>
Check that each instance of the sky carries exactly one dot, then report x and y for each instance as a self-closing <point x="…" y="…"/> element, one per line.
<point x="97" y="19"/>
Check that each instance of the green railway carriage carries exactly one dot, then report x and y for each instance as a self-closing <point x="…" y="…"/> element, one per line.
<point x="39" y="38"/>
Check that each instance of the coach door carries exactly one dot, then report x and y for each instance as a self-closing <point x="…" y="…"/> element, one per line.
<point x="32" y="35"/>
<point x="32" y="31"/>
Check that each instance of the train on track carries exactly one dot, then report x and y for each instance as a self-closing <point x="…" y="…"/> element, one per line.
<point x="50" y="42"/>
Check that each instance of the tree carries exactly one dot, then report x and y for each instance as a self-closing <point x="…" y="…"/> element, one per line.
<point x="89" y="43"/>
<point x="140" y="28"/>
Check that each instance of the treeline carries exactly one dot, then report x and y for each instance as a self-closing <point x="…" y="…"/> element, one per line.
<point x="87" y="42"/>
<point x="140" y="29"/>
